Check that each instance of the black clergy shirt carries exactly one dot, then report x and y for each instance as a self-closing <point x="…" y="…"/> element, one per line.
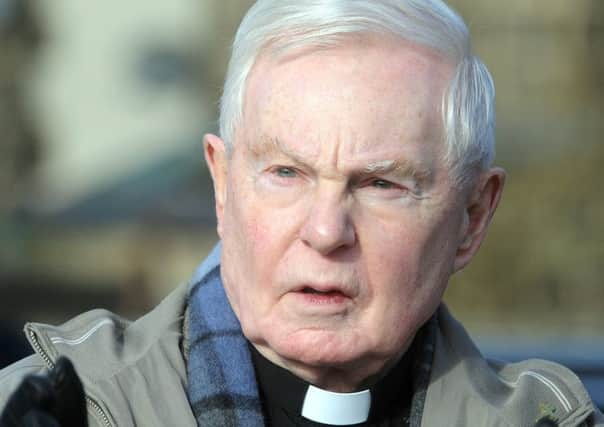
<point x="282" y="395"/>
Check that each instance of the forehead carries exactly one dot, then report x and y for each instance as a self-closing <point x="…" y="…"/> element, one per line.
<point x="365" y="96"/>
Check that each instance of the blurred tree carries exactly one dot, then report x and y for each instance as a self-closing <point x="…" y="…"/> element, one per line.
<point x="227" y="16"/>
<point x="19" y="39"/>
<point x="541" y="265"/>
<point x="595" y="36"/>
<point x="542" y="261"/>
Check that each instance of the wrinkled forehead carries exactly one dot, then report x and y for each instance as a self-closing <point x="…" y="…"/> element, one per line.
<point x="370" y="88"/>
<point x="402" y="56"/>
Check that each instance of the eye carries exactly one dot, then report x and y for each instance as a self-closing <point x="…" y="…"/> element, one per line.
<point x="285" y="172"/>
<point x="384" y="188"/>
<point x="381" y="184"/>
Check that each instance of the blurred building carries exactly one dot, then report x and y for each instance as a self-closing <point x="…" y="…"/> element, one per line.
<point x="118" y="205"/>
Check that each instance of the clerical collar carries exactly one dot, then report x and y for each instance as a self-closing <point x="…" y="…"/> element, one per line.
<point x="338" y="409"/>
<point x="289" y="400"/>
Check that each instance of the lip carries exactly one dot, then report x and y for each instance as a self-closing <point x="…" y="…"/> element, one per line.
<point x="323" y="289"/>
<point x="323" y="296"/>
<point x="323" y="300"/>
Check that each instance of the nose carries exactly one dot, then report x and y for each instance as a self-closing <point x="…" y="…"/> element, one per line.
<point x="328" y="225"/>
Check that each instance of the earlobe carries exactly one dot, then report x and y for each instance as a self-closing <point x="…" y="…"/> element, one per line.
<point x="216" y="159"/>
<point x="479" y="212"/>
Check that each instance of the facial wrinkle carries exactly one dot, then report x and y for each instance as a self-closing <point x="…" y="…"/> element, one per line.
<point x="400" y="168"/>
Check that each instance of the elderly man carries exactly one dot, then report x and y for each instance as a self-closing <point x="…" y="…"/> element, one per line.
<point x="352" y="178"/>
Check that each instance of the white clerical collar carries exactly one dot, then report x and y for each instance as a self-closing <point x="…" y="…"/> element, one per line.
<point x="339" y="409"/>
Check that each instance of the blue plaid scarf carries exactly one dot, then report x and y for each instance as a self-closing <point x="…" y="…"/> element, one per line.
<point x="222" y="385"/>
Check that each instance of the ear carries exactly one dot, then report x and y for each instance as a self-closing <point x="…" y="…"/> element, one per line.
<point x="479" y="210"/>
<point x="216" y="158"/>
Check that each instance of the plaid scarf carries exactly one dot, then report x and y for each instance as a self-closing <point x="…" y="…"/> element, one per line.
<point x="222" y="386"/>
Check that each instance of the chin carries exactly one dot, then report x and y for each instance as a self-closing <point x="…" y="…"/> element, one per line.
<point x="316" y="348"/>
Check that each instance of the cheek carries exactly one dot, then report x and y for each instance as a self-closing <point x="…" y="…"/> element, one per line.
<point x="409" y="268"/>
<point x="244" y="220"/>
<point x="392" y="253"/>
<point x="252" y="241"/>
<point x="255" y="251"/>
<point x="261" y="236"/>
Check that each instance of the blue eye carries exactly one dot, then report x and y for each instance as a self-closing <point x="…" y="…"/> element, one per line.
<point x="382" y="184"/>
<point x="285" y="172"/>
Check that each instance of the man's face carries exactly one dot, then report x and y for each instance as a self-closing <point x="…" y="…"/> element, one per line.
<point x="339" y="221"/>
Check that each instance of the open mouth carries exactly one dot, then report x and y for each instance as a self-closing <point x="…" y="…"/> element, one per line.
<point x="309" y="290"/>
<point x="317" y="296"/>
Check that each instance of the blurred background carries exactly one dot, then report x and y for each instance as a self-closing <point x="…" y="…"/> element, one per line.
<point x="106" y="201"/>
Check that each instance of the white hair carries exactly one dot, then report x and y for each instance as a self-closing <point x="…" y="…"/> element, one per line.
<point x="282" y="25"/>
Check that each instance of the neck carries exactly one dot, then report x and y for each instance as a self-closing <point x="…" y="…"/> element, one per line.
<point x="343" y="378"/>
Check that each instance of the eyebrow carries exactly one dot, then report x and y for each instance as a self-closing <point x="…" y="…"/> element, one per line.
<point x="402" y="168"/>
<point x="270" y="146"/>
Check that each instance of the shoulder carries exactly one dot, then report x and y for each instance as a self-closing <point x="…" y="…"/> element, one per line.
<point x="485" y="392"/>
<point x="12" y="375"/>
<point x="546" y="388"/>
<point x="101" y="343"/>
<point x="119" y="362"/>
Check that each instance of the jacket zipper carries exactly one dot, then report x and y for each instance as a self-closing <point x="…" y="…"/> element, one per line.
<point x="89" y="401"/>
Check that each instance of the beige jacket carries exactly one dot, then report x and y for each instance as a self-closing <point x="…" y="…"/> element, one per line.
<point x="134" y="374"/>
